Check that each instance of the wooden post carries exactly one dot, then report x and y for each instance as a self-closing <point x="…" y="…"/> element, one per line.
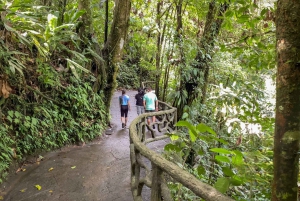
<point x="156" y="183"/>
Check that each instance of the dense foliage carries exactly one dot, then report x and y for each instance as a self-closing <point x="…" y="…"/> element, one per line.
<point x="46" y="87"/>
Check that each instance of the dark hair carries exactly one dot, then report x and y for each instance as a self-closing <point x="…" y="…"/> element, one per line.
<point x="140" y="89"/>
<point x="123" y="91"/>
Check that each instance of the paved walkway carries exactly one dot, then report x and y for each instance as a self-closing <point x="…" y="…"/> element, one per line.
<point x="97" y="171"/>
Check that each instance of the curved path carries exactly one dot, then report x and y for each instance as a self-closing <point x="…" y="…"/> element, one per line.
<point x="96" y="171"/>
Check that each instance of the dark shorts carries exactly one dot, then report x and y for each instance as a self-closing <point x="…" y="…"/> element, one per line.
<point x="148" y="111"/>
<point x="124" y="110"/>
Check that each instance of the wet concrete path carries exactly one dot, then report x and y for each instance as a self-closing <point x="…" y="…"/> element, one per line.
<point x="97" y="171"/>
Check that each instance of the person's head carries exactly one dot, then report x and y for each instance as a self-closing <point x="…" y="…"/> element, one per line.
<point x="123" y="92"/>
<point x="141" y="91"/>
<point x="149" y="89"/>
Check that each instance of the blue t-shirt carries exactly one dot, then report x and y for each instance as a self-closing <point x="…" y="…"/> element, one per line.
<point x="150" y="99"/>
<point x="124" y="99"/>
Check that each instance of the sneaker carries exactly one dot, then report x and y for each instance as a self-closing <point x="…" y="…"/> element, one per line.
<point x="123" y="125"/>
<point x="153" y="126"/>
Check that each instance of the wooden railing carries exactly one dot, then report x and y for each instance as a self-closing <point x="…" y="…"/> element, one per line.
<point x="154" y="176"/>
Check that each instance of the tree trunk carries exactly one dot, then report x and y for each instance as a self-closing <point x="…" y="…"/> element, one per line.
<point x="86" y="29"/>
<point x="112" y="51"/>
<point x="181" y="64"/>
<point x="106" y="21"/>
<point x="158" y="48"/>
<point x="62" y="9"/>
<point x="287" y="121"/>
<point x="212" y="29"/>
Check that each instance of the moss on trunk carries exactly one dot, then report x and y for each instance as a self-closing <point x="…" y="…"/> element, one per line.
<point x="287" y="122"/>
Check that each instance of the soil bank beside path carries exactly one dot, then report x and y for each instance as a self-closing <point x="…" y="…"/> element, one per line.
<point x="96" y="171"/>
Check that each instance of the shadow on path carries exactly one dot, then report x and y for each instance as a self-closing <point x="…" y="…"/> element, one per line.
<point x="97" y="171"/>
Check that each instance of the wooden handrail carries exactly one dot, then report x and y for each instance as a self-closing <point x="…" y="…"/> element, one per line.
<point x="160" y="166"/>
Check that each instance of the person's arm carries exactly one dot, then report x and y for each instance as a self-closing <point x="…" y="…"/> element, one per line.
<point x="144" y="103"/>
<point x="128" y="105"/>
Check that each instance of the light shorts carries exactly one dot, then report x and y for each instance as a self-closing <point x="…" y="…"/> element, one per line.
<point x="148" y="111"/>
<point x="140" y="109"/>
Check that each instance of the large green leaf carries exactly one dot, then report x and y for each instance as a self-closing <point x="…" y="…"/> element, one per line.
<point x="237" y="159"/>
<point x="236" y="180"/>
<point x="174" y="137"/>
<point x="94" y="54"/>
<point x="62" y="27"/>
<point x="220" y="151"/>
<point x="229" y="13"/>
<point x="224" y="159"/>
<point x="78" y="65"/>
<point x="192" y="129"/>
<point x="227" y="171"/>
<point x="204" y="128"/>
<point x="172" y="147"/>
<point x="222" y="184"/>
<point x="192" y="136"/>
<point x="77" y="15"/>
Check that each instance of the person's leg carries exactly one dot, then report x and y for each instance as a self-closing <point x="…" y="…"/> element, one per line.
<point x="142" y="109"/>
<point x="138" y="109"/>
<point x="122" y="117"/>
<point x="153" y="118"/>
<point x="153" y="121"/>
<point x="126" y="115"/>
<point x="148" y="118"/>
<point x="123" y="121"/>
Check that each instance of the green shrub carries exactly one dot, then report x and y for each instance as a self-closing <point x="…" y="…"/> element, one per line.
<point x="46" y="126"/>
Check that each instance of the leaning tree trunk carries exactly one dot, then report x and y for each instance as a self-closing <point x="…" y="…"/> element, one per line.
<point x="112" y="51"/>
<point x="287" y="121"/>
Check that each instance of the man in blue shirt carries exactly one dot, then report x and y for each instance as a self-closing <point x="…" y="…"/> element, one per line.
<point x="124" y="106"/>
<point x="150" y="104"/>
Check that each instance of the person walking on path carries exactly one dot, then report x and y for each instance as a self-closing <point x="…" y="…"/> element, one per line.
<point x="150" y="103"/>
<point x="139" y="101"/>
<point x="124" y="106"/>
